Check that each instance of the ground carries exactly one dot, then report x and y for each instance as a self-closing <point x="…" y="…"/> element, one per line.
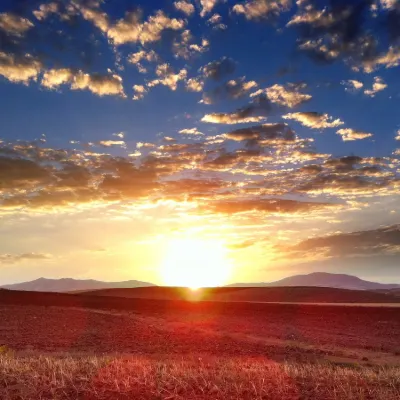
<point x="59" y="348"/>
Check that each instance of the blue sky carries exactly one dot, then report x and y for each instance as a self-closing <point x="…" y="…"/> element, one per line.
<point x="240" y="107"/>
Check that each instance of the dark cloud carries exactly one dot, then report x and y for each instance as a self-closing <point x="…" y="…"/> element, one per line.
<point x="217" y="70"/>
<point x="377" y="241"/>
<point x="254" y="112"/>
<point x="233" y="89"/>
<point x="348" y="30"/>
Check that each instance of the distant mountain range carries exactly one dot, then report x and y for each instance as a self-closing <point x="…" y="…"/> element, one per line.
<point x="70" y="285"/>
<point x="324" y="279"/>
<point x="316" y="279"/>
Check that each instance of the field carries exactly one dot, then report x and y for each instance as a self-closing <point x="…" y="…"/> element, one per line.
<point x="65" y="346"/>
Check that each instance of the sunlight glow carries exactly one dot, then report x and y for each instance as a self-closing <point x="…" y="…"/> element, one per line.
<point x="195" y="263"/>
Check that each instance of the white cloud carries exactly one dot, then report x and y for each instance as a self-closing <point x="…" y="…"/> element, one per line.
<point x="207" y="6"/>
<point x="191" y="131"/>
<point x="167" y="77"/>
<point x="13" y="24"/>
<point x="183" y="47"/>
<point x="288" y="95"/>
<point x="184" y="6"/>
<point x="140" y="91"/>
<point x="351" y="135"/>
<point x="314" y="120"/>
<point x="102" y="85"/>
<point x="260" y="9"/>
<point x="19" y="69"/>
<point x="112" y="143"/>
<point x="195" y="84"/>
<point x="398" y="135"/>
<point x="130" y="28"/>
<point x="377" y="86"/>
<point x="352" y="85"/>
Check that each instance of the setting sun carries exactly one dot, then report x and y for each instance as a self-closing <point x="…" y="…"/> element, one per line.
<point x="195" y="263"/>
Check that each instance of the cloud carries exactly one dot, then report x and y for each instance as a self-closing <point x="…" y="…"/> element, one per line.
<point x="377" y="86"/>
<point x="14" y="25"/>
<point x="15" y="258"/>
<point x="101" y="85"/>
<point x="167" y="77"/>
<point x="365" y="243"/>
<point x="352" y="85"/>
<point x="217" y="70"/>
<point x="254" y="112"/>
<point x="45" y="10"/>
<point x="389" y="59"/>
<point x="112" y="143"/>
<point x="288" y="95"/>
<point x="398" y="135"/>
<point x="349" y="134"/>
<point x="314" y="120"/>
<point x="348" y="31"/>
<point x="19" y="69"/>
<point x="131" y="29"/>
<point x="184" y="6"/>
<point x="191" y="131"/>
<point x="207" y="6"/>
<point x="195" y="84"/>
<point x="140" y="91"/>
<point x="265" y="134"/>
<point x="232" y="89"/>
<point x="262" y="9"/>
<point x="270" y="206"/>
<point x="215" y="22"/>
<point x="142" y="55"/>
<point x="121" y="135"/>
<point x="184" y="48"/>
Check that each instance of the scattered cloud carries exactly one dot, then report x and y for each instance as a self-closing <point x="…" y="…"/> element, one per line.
<point x="262" y="9"/>
<point x="191" y="131"/>
<point x="207" y="6"/>
<point x="182" y="47"/>
<point x="16" y="258"/>
<point x="19" y="69"/>
<point x="142" y="55"/>
<point x="101" y="85"/>
<point x="140" y="92"/>
<point x="217" y="70"/>
<point x="195" y="84"/>
<point x="377" y="86"/>
<point x="349" y="134"/>
<point x="112" y="143"/>
<point x="167" y="77"/>
<point x="289" y="95"/>
<point x="216" y="22"/>
<point x="185" y="6"/>
<point x="352" y="85"/>
<point x="314" y="120"/>
<point x="14" y="25"/>
<point x="233" y="89"/>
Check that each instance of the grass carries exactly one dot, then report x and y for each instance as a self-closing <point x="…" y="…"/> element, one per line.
<point x="90" y="377"/>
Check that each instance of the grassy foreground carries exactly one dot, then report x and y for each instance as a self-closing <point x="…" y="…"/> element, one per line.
<point x="84" y="377"/>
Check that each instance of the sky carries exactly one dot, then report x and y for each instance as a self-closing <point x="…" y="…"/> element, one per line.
<point x="199" y="142"/>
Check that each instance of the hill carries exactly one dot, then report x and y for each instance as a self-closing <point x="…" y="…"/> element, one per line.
<point x="70" y="285"/>
<point x="324" y="279"/>
<point x="255" y="294"/>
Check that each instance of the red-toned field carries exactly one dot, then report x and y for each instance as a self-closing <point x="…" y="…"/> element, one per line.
<point x="160" y="331"/>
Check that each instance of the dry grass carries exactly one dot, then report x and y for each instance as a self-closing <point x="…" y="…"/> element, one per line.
<point x="89" y="377"/>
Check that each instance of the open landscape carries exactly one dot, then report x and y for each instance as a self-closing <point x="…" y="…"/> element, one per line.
<point x="59" y="346"/>
<point x="199" y="200"/>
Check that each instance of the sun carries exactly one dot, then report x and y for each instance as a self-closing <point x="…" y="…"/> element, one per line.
<point x="195" y="263"/>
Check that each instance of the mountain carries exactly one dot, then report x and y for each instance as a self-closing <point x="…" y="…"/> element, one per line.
<point x="324" y="279"/>
<point x="70" y="285"/>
